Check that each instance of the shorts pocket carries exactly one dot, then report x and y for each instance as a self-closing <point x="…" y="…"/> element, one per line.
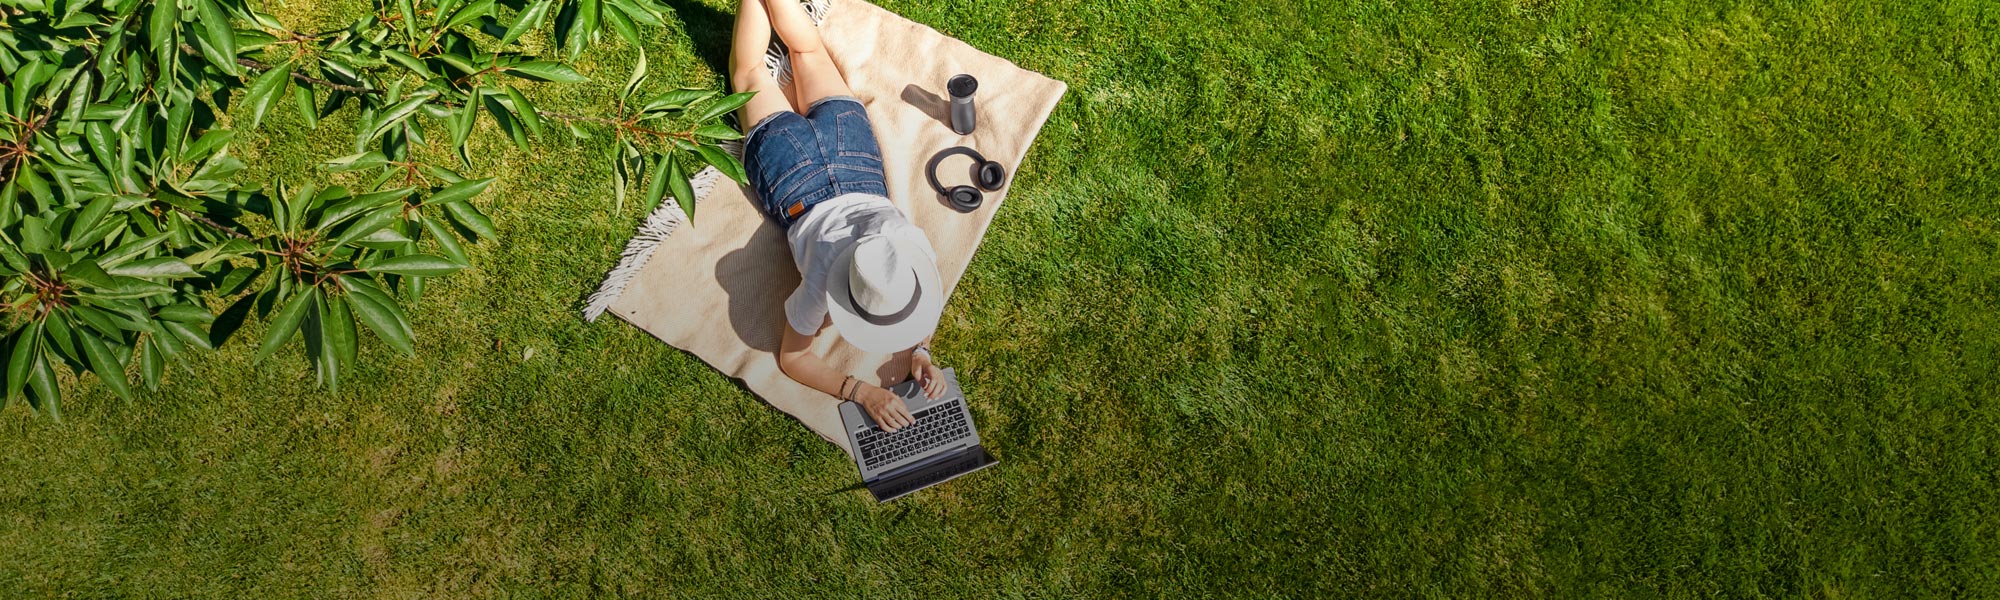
<point x="854" y="136"/>
<point x="776" y="157"/>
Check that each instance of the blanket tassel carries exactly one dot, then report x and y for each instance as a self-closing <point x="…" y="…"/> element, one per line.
<point x="655" y="230"/>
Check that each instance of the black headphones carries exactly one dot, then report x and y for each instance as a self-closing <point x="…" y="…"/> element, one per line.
<point x="988" y="174"/>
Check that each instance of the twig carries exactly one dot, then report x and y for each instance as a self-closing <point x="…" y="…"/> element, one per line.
<point x="352" y="89"/>
<point x="225" y="229"/>
<point x="296" y="75"/>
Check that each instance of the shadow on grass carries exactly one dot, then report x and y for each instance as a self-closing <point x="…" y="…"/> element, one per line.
<point x="709" y="29"/>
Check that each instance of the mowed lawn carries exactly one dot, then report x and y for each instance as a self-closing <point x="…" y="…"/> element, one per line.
<point x="1293" y="298"/>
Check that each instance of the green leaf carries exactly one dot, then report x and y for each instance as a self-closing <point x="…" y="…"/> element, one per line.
<point x="545" y="70"/>
<point x="287" y="322"/>
<point x="133" y="288"/>
<point x="220" y="35"/>
<point x="152" y="364"/>
<point x="471" y="12"/>
<point x="99" y="320"/>
<point x="408" y="62"/>
<point x="683" y="192"/>
<point x="79" y="98"/>
<point x="208" y="144"/>
<point x="409" y="14"/>
<point x="364" y="160"/>
<point x="264" y="91"/>
<point x="657" y="187"/>
<point x="87" y="273"/>
<point x="42" y="381"/>
<point x="638" y="76"/>
<point x="723" y="162"/>
<point x="420" y="265"/>
<point x="395" y="115"/>
<point x="369" y="224"/>
<point x="447" y="175"/>
<point x="460" y="191"/>
<point x="338" y="321"/>
<point x="622" y="25"/>
<point x="302" y="99"/>
<point x="638" y="13"/>
<point x="27" y="346"/>
<point x="170" y="346"/>
<point x="352" y="207"/>
<point x="525" y="110"/>
<point x="583" y="28"/>
<point x="723" y="106"/>
<point x="60" y="332"/>
<point x="160" y="35"/>
<point x="467" y="215"/>
<point x="461" y="64"/>
<point x="129" y="250"/>
<point x="188" y="334"/>
<point x="505" y="118"/>
<point x="186" y="313"/>
<point x="225" y="251"/>
<point x="719" y="131"/>
<point x="461" y="126"/>
<point x="446" y="240"/>
<point x="88" y="218"/>
<point x="380" y="313"/>
<point x="676" y="99"/>
<point x="528" y="19"/>
<point x="103" y="143"/>
<point x="36" y="235"/>
<point x="165" y="267"/>
<point x="107" y="368"/>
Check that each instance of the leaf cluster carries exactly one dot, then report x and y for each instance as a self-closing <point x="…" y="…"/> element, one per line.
<point x="122" y="221"/>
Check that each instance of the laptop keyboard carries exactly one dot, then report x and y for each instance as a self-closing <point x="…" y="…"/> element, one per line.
<point x="936" y="426"/>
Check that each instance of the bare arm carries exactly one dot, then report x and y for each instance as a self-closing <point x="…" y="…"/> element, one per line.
<point x="796" y="359"/>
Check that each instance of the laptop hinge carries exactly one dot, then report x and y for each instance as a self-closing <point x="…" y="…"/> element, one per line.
<point x="916" y="477"/>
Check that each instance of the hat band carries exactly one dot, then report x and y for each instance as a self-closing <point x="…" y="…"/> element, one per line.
<point x="916" y="293"/>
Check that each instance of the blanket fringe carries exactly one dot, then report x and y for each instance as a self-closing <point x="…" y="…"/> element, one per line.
<point x="661" y="224"/>
<point x="654" y="231"/>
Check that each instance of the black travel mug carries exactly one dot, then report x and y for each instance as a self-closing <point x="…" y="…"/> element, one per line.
<point x="963" y="117"/>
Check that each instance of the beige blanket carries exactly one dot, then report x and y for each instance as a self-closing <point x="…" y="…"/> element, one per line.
<point x="717" y="287"/>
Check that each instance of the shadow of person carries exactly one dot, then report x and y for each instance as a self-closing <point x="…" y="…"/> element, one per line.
<point x="757" y="278"/>
<point x="709" y="29"/>
<point x="932" y="104"/>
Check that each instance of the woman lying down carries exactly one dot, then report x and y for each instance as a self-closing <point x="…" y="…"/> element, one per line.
<point x="816" y="171"/>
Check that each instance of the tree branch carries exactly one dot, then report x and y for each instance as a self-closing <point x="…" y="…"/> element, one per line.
<point x="310" y="79"/>
<point x="353" y="89"/>
<point x="198" y="218"/>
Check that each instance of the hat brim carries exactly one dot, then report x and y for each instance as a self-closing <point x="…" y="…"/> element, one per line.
<point x="894" y="337"/>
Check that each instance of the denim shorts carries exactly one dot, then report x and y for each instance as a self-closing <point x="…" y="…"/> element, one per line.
<point x="796" y="161"/>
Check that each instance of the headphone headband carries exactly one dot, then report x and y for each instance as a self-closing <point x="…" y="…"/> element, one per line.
<point x="931" y="170"/>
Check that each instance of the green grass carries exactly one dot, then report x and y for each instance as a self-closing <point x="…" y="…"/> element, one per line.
<point x="1298" y="298"/>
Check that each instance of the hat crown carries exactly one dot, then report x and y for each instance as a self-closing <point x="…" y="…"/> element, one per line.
<point x="882" y="277"/>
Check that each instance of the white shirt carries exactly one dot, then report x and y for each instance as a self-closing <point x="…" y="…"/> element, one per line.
<point x="826" y="233"/>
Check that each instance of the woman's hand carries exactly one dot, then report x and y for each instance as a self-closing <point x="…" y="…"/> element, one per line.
<point x="923" y="370"/>
<point x="885" y="407"/>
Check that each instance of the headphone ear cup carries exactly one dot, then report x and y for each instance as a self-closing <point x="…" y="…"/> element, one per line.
<point x="991" y="175"/>
<point x="966" y="198"/>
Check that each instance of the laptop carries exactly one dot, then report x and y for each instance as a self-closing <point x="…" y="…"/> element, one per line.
<point x="940" y="446"/>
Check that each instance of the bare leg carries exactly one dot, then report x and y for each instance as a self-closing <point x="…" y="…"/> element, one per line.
<point x="746" y="65"/>
<point x="813" y="75"/>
